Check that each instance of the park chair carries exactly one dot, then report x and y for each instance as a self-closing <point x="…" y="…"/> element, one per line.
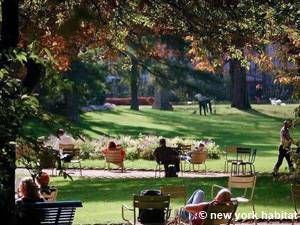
<point x="244" y="183"/>
<point x="74" y="152"/>
<point x="175" y="192"/>
<point x="216" y="214"/>
<point x="295" y="192"/>
<point x="114" y="157"/>
<point x="251" y="162"/>
<point x="243" y="157"/>
<point x="184" y="148"/>
<point x="51" y="213"/>
<point x="148" y="202"/>
<point x="197" y="158"/>
<point x="230" y="155"/>
<point x="158" y="169"/>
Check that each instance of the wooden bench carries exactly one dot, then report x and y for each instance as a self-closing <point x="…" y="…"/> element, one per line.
<point x="53" y="213"/>
<point x="114" y="157"/>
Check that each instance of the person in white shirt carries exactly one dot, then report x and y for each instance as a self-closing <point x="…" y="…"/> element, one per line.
<point x="63" y="139"/>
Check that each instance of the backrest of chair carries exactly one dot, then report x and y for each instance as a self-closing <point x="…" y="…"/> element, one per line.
<point x="185" y="148"/>
<point x="175" y="192"/>
<point x="113" y="156"/>
<point x="230" y="152"/>
<point x="295" y="191"/>
<point x="66" y="146"/>
<point x="244" y="154"/>
<point x="151" y="202"/>
<point x="230" y="149"/>
<point x="218" y="214"/>
<point x="295" y="188"/>
<point x="57" y="213"/>
<point x="199" y="157"/>
<point x="242" y="182"/>
<point x="75" y="152"/>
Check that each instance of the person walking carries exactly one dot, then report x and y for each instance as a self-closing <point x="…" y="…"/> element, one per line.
<point x="284" y="147"/>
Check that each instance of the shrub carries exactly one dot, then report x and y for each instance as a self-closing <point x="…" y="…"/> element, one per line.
<point x="141" y="147"/>
<point x="147" y="154"/>
<point x="87" y="150"/>
<point x="132" y="155"/>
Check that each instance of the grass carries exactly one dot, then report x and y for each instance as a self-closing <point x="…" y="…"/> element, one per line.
<point x="102" y="198"/>
<point x="257" y="128"/>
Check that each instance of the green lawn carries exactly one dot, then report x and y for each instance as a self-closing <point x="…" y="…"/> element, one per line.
<point x="102" y="198"/>
<point x="257" y="128"/>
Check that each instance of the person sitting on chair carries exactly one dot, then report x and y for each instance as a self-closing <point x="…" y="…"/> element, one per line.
<point x="196" y="205"/>
<point x="43" y="180"/>
<point x="166" y="156"/>
<point x="113" y="147"/>
<point x="28" y="192"/>
<point x="63" y="139"/>
<point x="188" y="155"/>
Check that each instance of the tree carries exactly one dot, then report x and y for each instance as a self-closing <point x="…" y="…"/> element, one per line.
<point x="9" y="39"/>
<point x="218" y="31"/>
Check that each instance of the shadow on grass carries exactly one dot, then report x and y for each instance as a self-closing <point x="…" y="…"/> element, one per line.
<point x="267" y="192"/>
<point x="260" y="114"/>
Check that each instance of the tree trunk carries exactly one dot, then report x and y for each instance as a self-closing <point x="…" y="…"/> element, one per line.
<point x="134" y="86"/>
<point x="161" y="99"/>
<point x="10" y="24"/>
<point x="239" y="93"/>
<point x="72" y="105"/>
<point x="9" y="39"/>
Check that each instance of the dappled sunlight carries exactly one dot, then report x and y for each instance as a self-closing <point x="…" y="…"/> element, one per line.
<point x="102" y="198"/>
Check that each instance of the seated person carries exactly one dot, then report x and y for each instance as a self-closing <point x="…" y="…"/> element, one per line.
<point x="166" y="156"/>
<point x="63" y="139"/>
<point x="188" y="155"/>
<point x="28" y="192"/>
<point x="197" y="204"/>
<point x="45" y="190"/>
<point x="113" y="147"/>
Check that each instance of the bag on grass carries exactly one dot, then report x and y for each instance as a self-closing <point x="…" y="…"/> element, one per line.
<point x="151" y="215"/>
<point x="171" y="172"/>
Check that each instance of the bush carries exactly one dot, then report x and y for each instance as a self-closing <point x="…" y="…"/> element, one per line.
<point x="147" y="154"/>
<point x="213" y="150"/>
<point x="87" y="150"/>
<point x="133" y="155"/>
<point x="142" y="147"/>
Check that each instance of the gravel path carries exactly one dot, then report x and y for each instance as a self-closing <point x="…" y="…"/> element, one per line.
<point x="126" y="173"/>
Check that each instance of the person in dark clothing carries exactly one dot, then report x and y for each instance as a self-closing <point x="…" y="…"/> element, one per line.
<point x="166" y="156"/>
<point x="284" y="147"/>
<point x="258" y="93"/>
<point x="204" y="104"/>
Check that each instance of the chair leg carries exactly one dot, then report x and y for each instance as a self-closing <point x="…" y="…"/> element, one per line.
<point x="253" y="208"/>
<point x="80" y="169"/>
